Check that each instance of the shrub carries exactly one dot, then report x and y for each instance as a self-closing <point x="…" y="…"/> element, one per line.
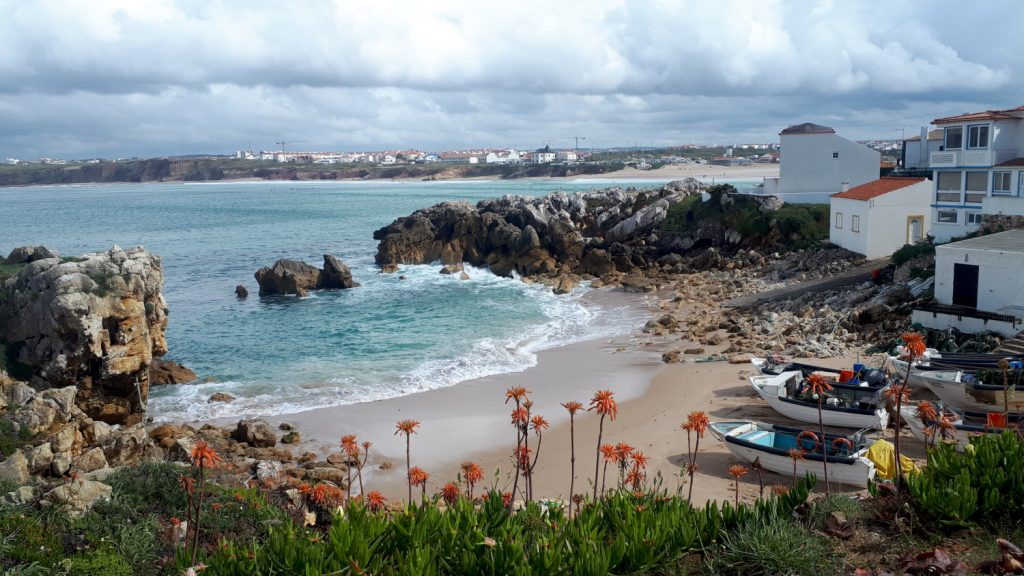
<point x="767" y="548"/>
<point x="822" y="508"/>
<point x="983" y="484"/>
<point x="910" y="251"/>
<point x="97" y="563"/>
<point x="10" y="440"/>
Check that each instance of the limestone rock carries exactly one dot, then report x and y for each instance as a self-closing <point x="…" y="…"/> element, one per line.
<point x="241" y="291"/>
<point x="327" y="474"/>
<point x="39" y="458"/>
<point x="291" y="437"/>
<point x="23" y="495"/>
<point x="389" y="268"/>
<point x="287" y="277"/>
<point x="61" y="464"/>
<point x="221" y="397"/>
<point x="79" y="496"/>
<point x="463" y="276"/>
<point x="451" y="268"/>
<point x="564" y="285"/>
<point x="169" y="372"/>
<point x="336" y="275"/>
<point x="255" y="433"/>
<point x="15" y="468"/>
<point x="671" y="357"/>
<point x="693" y="351"/>
<point x="90" y="461"/>
<point x="26" y="254"/>
<point x="268" y="471"/>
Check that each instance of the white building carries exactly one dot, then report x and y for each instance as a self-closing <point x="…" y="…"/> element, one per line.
<point x="977" y="285"/>
<point x="979" y="170"/>
<point x="915" y="156"/>
<point x="566" y="155"/>
<point x="880" y="217"/>
<point x="543" y="155"/>
<point x="815" y="163"/>
<point x="510" y="157"/>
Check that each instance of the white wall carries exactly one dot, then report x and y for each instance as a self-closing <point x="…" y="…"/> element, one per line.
<point x="883" y="220"/>
<point x="807" y="165"/>
<point x="963" y="324"/>
<point x="1000" y="276"/>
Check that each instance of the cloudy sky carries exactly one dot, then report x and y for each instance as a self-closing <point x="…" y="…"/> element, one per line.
<point x="146" y="78"/>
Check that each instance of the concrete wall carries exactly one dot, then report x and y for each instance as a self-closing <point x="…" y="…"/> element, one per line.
<point x="1000" y="276"/>
<point x="807" y="165"/>
<point x="883" y="220"/>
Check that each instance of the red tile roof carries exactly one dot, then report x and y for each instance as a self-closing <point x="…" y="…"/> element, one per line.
<point x="1014" y="162"/>
<point x="986" y="115"/>
<point x="887" y="164"/>
<point x="877" y="188"/>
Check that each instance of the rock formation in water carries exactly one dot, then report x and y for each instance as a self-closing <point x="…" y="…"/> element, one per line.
<point x="94" y="322"/>
<point x="294" y="277"/>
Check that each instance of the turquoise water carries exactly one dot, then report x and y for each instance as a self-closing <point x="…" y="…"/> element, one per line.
<point x="284" y="354"/>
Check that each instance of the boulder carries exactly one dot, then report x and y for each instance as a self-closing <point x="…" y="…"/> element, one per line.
<point x="564" y="285"/>
<point x="241" y="291"/>
<point x="287" y="277"/>
<point x="255" y="433"/>
<point x="79" y="496"/>
<point x="221" y="397"/>
<point x="463" y="276"/>
<point x="327" y="474"/>
<point x="336" y="275"/>
<point x="291" y="437"/>
<point x="39" y="458"/>
<point x="27" y="254"/>
<point x="61" y="464"/>
<point x="15" y="468"/>
<point x="268" y="471"/>
<point x="389" y="268"/>
<point x="169" y="372"/>
<point x="90" y="461"/>
<point x="23" y="495"/>
<point x="671" y="357"/>
<point x="451" y="268"/>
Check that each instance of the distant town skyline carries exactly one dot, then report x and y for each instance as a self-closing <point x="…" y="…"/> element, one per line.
<point x="123" y="78"/>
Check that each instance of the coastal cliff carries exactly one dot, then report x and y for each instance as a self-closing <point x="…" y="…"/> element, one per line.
<point x="95" y="322"/>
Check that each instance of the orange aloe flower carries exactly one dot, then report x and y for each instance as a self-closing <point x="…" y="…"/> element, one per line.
<point x="520" y="416"/>
<point x="796" y="454"/>
<point x="609" y="453"/>
<point x="572" y="406"/>
<point x="898" y="393"/>
<point x="915" y="345"/>
<point x="347" y="441"/>
<point x="187" y="483"/>
<point x="375" y="501"/>
<point x="418" y="476"/>
<point x="407" y="426"/>
<point x="698" y="422"/>
<point x="926" y="411"/>
<point x="516" y="393"/>
<point x="538" y="423"/>
<point x="639" y="459"/>
<point x="472" y="472"/>
<point x="738" y="470"/>
<point x="203" y="456"/>
<point x="604" y="403"/>
<point x="635" y="478"/>
<point x="450" y="493"/>
<point x="818" y="384"/>
<point x="522" y="457"/>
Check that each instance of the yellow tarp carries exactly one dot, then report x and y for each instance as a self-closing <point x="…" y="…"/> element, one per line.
<point x="883" y="454"/>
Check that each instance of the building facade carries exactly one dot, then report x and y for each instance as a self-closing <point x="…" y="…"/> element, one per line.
<point x="877" y="218"/>
<point x="979" y="170"/>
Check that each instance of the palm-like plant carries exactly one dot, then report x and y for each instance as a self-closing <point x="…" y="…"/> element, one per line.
<point x="797" y="454"/>
<point x="737" y="471"/>
<point x="898" y="394"/>
<point x="407" y="427"/>
<point x="472" y="473"/>
<point x="572" y="407"/>
<point x="696" y="424"/>
<point x="819" y="386"/>
<point x="604" y="404"/>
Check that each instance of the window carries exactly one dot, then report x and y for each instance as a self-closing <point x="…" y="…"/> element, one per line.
<point x="1002" y="183"/>
<point x="954" y="138"/>
<point x="835" y="154"/>
<point x="977" y="136"/>
<point x="1020" y="184"/>
<point x="977" y="187"/>
<point x="948" y="187"/>
<point x="947" y="216"/>
<point x="839" y="220"/>
<point x="974" y="217"/>
<point x="855" y="223"/>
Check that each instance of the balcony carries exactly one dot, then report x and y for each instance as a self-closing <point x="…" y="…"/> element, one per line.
<point x="944" y="159"/>
<point x="970" y="158"/>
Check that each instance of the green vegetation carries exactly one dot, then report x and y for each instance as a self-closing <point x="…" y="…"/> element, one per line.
<point x="8" y="271"/>
<point x="910" y="251"/>
<point x="793" y="225"/>
<point x="104" y="283"/>
<point x="11" y="440"/>
<point x="9" y="361"/>
<point x="983" y="484"/>
<point x="769" y="548"/>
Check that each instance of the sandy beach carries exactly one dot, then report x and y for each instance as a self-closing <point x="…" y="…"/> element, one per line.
<point x="701" y="171"/>
<point x="470" y="421"/>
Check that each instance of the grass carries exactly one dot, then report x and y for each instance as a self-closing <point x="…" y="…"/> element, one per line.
<point x="11" y="440"/>
<point x="769" y="548"/>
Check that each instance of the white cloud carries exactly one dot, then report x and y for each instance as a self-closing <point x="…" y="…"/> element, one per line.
<point x="167" y="77"/>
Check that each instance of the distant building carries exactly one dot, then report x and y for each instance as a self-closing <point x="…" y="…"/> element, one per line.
<point x="977" y="285"/>
<point x="543" y="155"/>
<point x="915" y="155"/>
<point x="877" y="218"/>
<point x="979" y="170"/>
<point x="459" y="158"/>
<point x="509" y="157"/>
<point x="815" y="163"/>
<point x="566" y="156"/>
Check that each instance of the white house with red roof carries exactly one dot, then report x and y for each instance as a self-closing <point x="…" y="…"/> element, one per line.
<point x="979" y="170"/>
<point x="879" y="217"/>
<point x="815" y="163"/>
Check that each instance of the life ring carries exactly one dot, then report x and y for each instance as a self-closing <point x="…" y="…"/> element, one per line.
<point x="812" y="437"/>
<point x="842" y="442"/>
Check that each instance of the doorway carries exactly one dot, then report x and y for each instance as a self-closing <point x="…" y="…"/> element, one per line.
<point x="965" y="285"/>
<point x="915" y="229"/>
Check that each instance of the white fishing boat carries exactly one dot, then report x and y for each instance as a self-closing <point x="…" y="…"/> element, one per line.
<point x="846" y="406"/>
<point x="770" y="445"/>
<point x="935" y="361"/>
<point x="959" y="389"/>
<point x="966" y="425"/>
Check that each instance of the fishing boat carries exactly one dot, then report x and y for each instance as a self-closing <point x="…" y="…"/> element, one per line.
<point x="934" y="361"/>
<point x="859" y="374"/>
<point x="966" y="425"/>
<point x="847" y="406"/>
<point x="964" y="391"/>
<point x="770" y="445"/>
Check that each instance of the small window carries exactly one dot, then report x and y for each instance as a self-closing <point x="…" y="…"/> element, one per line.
<point x="839" y="220"/>
<point x="977" y="187"/>
<point x="1002" y="183"/>
<point x="974" y="217"/>
<point x="977" y="136"/>
<point x="947" y="216"/>
<point x="855" y="223"/>
<point x="835" y="154"/>
<point x="947" y="189"/>
<point x="954" y="138"/>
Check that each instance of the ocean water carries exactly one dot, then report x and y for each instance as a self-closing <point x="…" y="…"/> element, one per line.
<point x="285" y="354"/>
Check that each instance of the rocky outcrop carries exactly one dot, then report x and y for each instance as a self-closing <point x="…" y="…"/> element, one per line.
<point x="596" y="232"/>
<point x="294" y="277"/>
<point x="26" y="254"/>
<point x="169" y="372"/>
<point x="95" y="322"/>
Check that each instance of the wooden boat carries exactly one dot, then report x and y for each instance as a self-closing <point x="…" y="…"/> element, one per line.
<point x="846" y="406"/>
<point x="961" y="390"/>
<point x="770" y="444"/>
<point x="773" y="366"/>
<point x="935" y="361"/>
<point x="966" y="425"/>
